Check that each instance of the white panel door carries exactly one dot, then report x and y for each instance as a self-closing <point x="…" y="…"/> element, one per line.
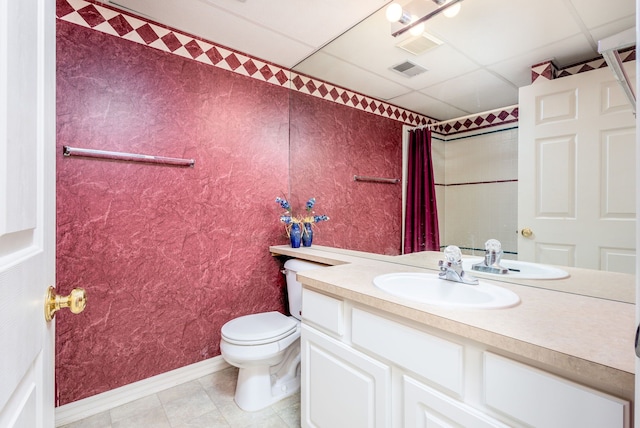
<point x="27" y="210"/>
<point x="576" y="168"/>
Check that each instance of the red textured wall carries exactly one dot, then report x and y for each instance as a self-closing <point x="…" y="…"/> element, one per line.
<point x="330" y="143"/>
<point x="167" y="254"/>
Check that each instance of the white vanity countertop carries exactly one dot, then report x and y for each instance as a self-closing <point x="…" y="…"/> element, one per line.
<point x="583" y="338"/>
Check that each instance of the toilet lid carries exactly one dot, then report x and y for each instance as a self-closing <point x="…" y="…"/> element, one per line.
<point x="256" y="329"/>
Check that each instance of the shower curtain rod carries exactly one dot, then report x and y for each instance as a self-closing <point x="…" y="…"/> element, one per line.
<point x="469" y="116"/>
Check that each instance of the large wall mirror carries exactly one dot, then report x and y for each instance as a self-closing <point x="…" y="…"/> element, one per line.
<point x="457" y="68"/>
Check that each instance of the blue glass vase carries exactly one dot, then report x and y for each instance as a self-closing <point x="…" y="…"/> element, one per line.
<point x="295" y="235"/>
<point x="307" y="235"/>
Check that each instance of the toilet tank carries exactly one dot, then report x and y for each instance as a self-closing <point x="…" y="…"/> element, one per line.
<point x="294" y="288"/>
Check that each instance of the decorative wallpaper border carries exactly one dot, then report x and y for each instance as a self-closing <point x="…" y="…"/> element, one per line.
<point x="321" y="89"/>
<point x="547" y="70"/>
<point x="100" y="17"/>
<point x="484" y="120"/>
<point x="111" y="21"/>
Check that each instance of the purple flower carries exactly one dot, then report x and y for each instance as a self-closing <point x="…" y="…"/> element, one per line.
<point x="310" y="203"/>
<point x="318" y="218"/>
<point x="286" y="219"/>
<point x="283" y="203"/>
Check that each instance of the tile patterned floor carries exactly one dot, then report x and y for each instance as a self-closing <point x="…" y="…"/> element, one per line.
<point x="203" y="403"/>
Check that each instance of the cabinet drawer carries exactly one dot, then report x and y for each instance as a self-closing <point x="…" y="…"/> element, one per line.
<point x="544" y="400"/>
<point x="323" y="311"/>
<point x="437" y="360"/>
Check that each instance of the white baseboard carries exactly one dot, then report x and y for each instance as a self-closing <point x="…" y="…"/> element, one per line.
<point x="99" y="403"/>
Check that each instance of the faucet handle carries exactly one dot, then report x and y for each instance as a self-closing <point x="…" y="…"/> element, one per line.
<point x="492" y="258"/>
<point x="453" y="254"/>
<point x="451" y="269"/>
<point x="493" y="245"/>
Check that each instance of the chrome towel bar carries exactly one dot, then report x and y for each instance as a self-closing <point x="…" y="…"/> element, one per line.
<point x="376" y="179"/>
<point x="132" y="157"/>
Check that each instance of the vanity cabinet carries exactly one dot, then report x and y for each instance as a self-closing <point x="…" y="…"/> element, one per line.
<point x="362" y="367"/>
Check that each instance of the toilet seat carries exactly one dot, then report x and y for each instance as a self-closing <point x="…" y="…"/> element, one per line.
<point x="258" y="329"/>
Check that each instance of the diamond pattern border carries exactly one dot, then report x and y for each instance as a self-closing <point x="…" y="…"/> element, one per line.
<point x="545" y="70"/>
<point x="97" y="16"/>
<point x="548" y="70"/>
<point x="482" y="121"/>
<point x="111" y="21"/>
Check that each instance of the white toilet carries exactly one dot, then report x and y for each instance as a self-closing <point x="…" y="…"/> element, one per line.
<point x="266" y="348"/>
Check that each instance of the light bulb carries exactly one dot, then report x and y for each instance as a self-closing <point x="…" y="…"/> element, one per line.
<point x="452" y="11"/>
<point x="394" y="12"/>
<point x="418" y="29"/>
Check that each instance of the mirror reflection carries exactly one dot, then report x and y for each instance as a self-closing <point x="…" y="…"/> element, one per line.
<point x="504" y="168"/>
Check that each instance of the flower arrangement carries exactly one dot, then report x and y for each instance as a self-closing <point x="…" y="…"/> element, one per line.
<point x="308" y="217"/>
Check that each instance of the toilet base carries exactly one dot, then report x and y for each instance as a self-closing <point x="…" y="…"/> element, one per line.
<point x="260" y="386"/>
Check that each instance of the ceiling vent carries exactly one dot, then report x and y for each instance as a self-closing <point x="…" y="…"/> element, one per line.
<point x="419" y="44"/>
<point x="408" y="69"/>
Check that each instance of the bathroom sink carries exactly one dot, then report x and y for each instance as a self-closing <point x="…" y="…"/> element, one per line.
<point x="517" y="269"/>
<point x="429" y="288"/>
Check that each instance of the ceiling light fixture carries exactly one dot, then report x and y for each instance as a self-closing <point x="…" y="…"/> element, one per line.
<point x="452" y="11"/>
<point x="395" y="13"/>
<point x="444" y="5"/>
<point x="418" y="29"/>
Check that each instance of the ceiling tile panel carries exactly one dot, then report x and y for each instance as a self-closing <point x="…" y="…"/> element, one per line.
<point x="429" y="106"/>
<point x="492" y="30"/>
<point x="281" y="31"/>
<point x="475" y="92"/>
<point x="594" y="15"/>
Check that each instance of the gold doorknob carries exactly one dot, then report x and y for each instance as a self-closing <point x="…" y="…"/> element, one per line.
<point x="526" y="232"/>
<point x="75" y="301"/>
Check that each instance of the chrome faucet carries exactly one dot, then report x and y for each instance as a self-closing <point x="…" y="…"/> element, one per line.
<point x="492" y="257"/>
<point x="451" y="268"/>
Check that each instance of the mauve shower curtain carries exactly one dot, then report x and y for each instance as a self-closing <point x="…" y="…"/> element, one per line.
<point x="421" y="219"/>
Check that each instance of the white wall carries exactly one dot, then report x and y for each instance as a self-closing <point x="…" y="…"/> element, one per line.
<point x="438" y="160"/>
<point x="477" y="189"/>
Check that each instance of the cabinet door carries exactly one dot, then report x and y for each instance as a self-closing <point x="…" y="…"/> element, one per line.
<point x="342" y="387"/>
<point x="424" y="407"/>
<point x="543" y="400"/>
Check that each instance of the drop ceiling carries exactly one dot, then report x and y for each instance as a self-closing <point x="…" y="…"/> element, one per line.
<point x="485" y="55"/>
